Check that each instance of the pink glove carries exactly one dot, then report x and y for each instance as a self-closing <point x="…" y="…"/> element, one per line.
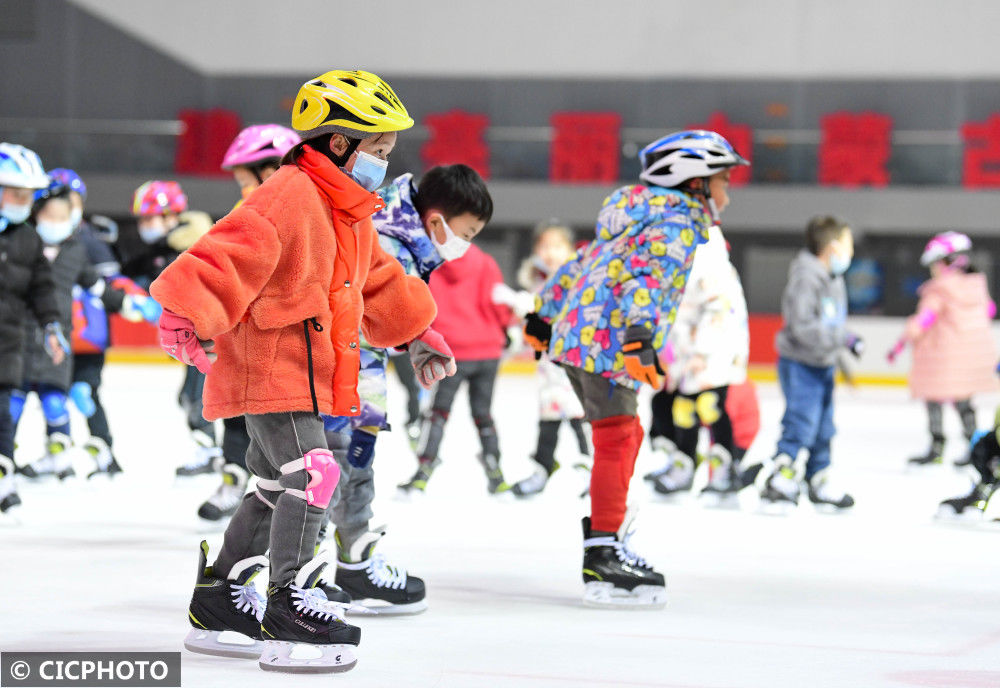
<point x="432" y="358"/>
<point x="896" y="350"/>
<point x="178" y="339"/>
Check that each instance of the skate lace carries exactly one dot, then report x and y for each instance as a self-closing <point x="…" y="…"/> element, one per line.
<point x="623" y="549"/>
<point x="248" y="599"/>
<point x="226" y="496"/>
<point x="385" y="576"/>
<point x="313" y="602"/>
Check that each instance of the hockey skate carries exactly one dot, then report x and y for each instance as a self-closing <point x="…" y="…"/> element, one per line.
<point x="374" y="584"/>
<point x="207" y="457"/>
<point x="303" y="631"/>
<point x="677" y="476"/>
<point x="614" y="576"/>
<point x="534" y="483"/>
<point x="104" y="460"/>
<point x="970" y="506"/>
<point x="227" y="497"/>
<point x="723" y="479"/>
<point x="495" y="482"/>
<point x="778" y="483"/>
<point x="8" y="488"/>
<point x="418" y="483"/>
<point x="934" y="456"/>
<point x="825" y="495"/>
<point x="225" y="613"/>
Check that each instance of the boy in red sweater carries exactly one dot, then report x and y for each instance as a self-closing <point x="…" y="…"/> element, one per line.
<point x="475" y="329"/>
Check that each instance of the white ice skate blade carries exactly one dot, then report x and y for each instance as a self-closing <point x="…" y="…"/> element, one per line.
<point x="831" y="509"/>
<point x="373" y="607"/>
<point x="769" y="508"/>
<point x="606" y="596"/>
<point x="223" y="644"/>
<point x="304" y="658"/>
<point x="728" y="501"/>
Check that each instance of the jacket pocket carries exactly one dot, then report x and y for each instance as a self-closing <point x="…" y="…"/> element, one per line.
<point x="275" y="311"/>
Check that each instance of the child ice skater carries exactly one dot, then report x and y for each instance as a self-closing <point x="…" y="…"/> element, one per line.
<point x="985" y="459"/>
<point x="954" y="354"/>
<point x="605" y="316"/>
<point x="276" y="295"/>
<point x="814" y="308"/>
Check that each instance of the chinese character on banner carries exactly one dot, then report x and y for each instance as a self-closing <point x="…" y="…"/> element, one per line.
<point x="981" y="157"/>
<point x="457" y="136"/>
<point x="854" y="149"/>
<point x="740" y="136"/>
<point x="586" y="147"/>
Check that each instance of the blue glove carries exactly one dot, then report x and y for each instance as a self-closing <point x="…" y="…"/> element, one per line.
<point x="359" y="454"/>
<point x="83" y="397"/>
<point x="150" y="309"/>
<point x="54" y="328"/>
<point x="136" y="308"/>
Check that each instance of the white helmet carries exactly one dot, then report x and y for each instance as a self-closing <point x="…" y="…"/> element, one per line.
<point x="691" y="154"/>
<point x="20" y="167"/>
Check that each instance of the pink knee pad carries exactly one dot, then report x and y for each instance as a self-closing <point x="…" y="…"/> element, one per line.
<point x="323" y="472"/>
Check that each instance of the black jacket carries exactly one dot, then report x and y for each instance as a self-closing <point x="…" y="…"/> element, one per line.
<point x="70" y="266"/>
<point x="26" y="288"/>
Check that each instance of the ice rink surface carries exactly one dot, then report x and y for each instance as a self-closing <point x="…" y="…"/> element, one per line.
<point x="882" y="596"/>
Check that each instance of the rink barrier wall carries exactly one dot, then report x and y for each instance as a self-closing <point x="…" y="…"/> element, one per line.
<point x="137" y="344"/>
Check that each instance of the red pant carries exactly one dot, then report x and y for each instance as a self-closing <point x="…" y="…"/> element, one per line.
<point x="616" y="445"/>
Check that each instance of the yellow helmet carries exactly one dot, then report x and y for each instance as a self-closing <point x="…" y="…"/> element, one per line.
<point x="350" y="103"/>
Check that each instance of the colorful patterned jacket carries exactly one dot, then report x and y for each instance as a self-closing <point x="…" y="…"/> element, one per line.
<point x="632" y="273"/>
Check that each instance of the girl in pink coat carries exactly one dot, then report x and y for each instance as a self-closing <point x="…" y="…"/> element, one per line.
<point x="954" y="355"/>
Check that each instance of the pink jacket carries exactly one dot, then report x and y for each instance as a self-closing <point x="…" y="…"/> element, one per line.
<point x="956" y="357"/>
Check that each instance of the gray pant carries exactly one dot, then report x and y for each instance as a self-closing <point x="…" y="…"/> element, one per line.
<point x="273" y="519"/>
<point x="600" y="397"/>
<point x="351" y="506"/>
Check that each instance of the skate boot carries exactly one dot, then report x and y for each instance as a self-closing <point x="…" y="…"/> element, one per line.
<point x="677" y="476"/>
<point x="723" y="479"/>
<point x="418" y="483"/>
<point x="614" y="576"/>
<point x="8" y="489"/>
<point x="495" y="482"/>
<point x="779" y="482"/>
<point x="534" y="483"/>
<point x="374" y="584"/>
<point x="973" y="503"/>
<point x="822" y="493"/>
<point x="303" y="631"/>
<point x="207" y="457"/>
<point x="227" y="497"/>
<point x="103" y="458"/>
<point x="413" y="434"/>
<point x="934" y="455"/>
<point x="230" y="606"/>
<point x="39" y="468"/>
<point x="58" y="448"/>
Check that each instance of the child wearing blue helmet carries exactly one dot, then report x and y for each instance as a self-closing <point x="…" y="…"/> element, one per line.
<point x="604" y="317"/>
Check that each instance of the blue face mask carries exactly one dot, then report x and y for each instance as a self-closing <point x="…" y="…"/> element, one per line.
<point x="16" y="214"/>
<point x="54" y="232"/>
<point x="368" y="171"/>
<point x="839" y="264"/>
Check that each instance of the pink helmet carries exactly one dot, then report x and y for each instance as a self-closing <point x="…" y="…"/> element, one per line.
<point x="258" y="143"/>
<point x="944" y="245"/>
<point x="157" y="197"/>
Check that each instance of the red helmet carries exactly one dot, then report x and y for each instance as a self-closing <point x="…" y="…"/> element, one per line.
<point x="158" y="197"/>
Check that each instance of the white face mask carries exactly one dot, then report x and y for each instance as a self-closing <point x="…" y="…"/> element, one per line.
<point x="75" y="217"/>
<point x="453" y="247"/>
<point x="53" y="233"/>
<point x="16" y="214"/>
<point x="152" y="234"/>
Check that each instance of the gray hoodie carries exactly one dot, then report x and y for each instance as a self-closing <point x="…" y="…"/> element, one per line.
<point x="814" y="308"/>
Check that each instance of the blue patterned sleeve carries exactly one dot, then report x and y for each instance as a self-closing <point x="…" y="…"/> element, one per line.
<point x="550" y="300"/>
<point x="398" y="250"/>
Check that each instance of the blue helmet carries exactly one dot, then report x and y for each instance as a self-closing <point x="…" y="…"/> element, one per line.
<point x="691" y="154"/>
<point x="69" y="178"/>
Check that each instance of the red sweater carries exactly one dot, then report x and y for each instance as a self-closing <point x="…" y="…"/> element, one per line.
<point x="470" y="322"/>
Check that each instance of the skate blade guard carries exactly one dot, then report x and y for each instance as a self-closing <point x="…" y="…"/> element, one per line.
<point x="223" y="644"/>
<point x="605" y="595"/>
<point x="374" y="607"/>
<point x="303" y="658"/>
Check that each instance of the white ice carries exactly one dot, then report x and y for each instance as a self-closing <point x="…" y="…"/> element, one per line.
<point x="883" y="596"/>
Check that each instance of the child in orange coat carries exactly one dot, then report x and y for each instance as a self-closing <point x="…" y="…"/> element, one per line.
<point x="269" y="304"/>
<point x="953" y="350"/>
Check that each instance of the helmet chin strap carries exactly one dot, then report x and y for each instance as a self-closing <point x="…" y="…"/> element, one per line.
<point x="706" y="198"/>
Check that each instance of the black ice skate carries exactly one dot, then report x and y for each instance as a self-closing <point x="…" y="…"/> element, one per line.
<point x="56" y="460"/>
<point x="677" y="475"/>
<point x="207" y="457"/>
<point x="376" y="585"/>
<point x="614" y="577"/>
<point x="534" y="483"/>
<point x="823" y="493"/>
<point x="779" y="482"/>
<point x="225" y="613"/>
<point x="418" y="483"/>
<point x="495" y="482"/>
<point x="303" y="631"/>
<point x="934" y="455"/>
<point x="227" y="497"/>
<point x="104" y="460"/>
<point x="972" y="504"/>
<point x="8" y="489"/>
